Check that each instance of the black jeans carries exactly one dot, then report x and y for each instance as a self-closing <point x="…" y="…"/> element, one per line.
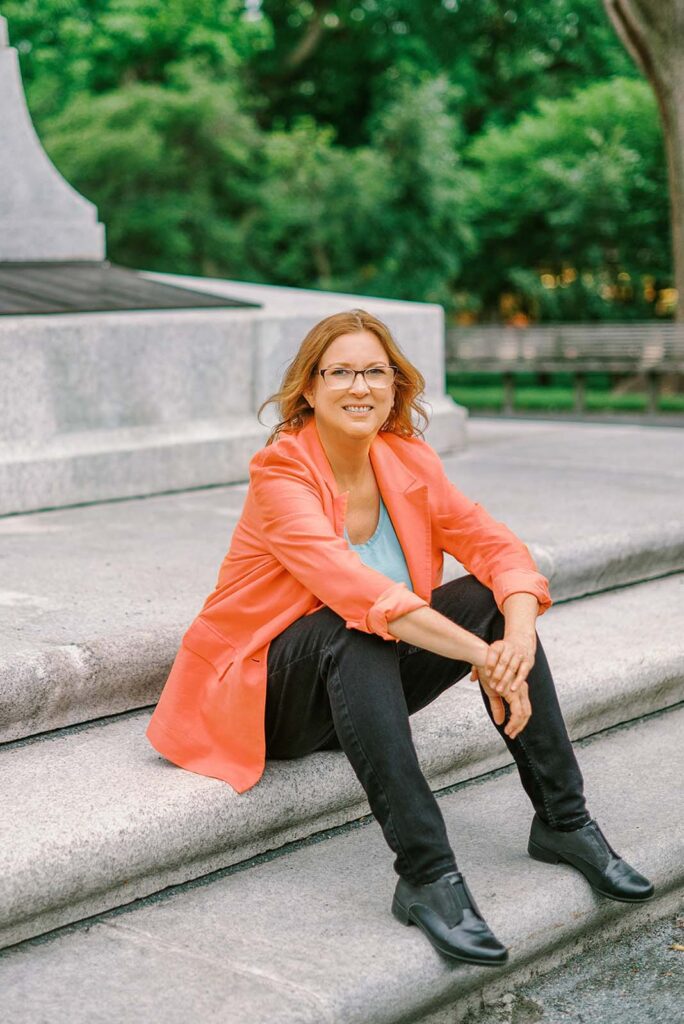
<point x="332" y="688"/>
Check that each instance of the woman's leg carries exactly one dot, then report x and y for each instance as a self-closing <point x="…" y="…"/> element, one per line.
<point x="542" y="752"/>
<point x="331" y="686"/>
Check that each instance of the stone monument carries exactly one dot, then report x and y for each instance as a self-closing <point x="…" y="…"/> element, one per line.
<point x="41" y="216"/>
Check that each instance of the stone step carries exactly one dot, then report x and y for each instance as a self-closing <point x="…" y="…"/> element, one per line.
<point x="95" y="818"/>
<point x="635" y="978"/>
<point x="168" y="457"/>
<point x="307" y="935"/>
<point x="95" y="599"/>
<point x="601" y="504"/>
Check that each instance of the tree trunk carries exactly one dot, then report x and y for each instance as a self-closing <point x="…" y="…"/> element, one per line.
<point x="653" y="34"/>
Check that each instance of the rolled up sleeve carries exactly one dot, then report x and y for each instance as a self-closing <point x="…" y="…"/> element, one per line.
<point x="489" y="549"/>
<point x="297" y="532"/>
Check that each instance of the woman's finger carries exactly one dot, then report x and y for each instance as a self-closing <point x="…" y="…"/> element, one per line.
<point x="517" y="723"/>
<point x="520" y="713"/>
<point x="502" y="664"/>
<point x="492" y="659"/>
<point x="523" y="670"/>
<point x="510" y="673"/>
<point x="498" y="709"/>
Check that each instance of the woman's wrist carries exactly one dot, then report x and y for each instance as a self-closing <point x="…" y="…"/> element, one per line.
<point x="520" y="611"/>
<point x="481" y="649"/>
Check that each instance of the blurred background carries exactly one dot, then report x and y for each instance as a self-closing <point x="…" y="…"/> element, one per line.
<point x="504" y="158"/>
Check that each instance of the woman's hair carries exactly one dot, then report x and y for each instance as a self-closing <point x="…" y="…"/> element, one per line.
<point x="293" y="407"/>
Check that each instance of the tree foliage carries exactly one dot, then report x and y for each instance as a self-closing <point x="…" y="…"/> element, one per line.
<point x="449" y="152"/>
<point x="575" y="191"/>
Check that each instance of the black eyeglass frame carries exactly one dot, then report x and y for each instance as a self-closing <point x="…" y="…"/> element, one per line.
<point x="385" y="366"/>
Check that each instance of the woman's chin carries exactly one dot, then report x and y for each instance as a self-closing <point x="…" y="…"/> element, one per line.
<point x="350" y="426"/>
<point x="367" y="425"/>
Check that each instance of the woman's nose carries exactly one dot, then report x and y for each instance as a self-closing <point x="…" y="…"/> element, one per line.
<point x="360" y="386"/>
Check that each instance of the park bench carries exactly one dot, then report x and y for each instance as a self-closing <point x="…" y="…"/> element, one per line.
<point x="646" y="350"/>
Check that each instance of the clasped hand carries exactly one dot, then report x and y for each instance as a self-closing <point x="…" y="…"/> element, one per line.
<point x="504" y="677"/>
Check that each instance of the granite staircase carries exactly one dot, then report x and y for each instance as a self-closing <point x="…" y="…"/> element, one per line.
<point x="131" y="890"/>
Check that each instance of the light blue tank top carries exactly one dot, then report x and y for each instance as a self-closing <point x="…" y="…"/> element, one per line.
<point x="383" y="551"/>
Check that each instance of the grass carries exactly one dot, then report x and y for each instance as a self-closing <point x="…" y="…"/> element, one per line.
<point x="480" y="391"/>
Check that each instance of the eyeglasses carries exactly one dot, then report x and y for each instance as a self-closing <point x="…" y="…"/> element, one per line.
<point x="338" y="378"/>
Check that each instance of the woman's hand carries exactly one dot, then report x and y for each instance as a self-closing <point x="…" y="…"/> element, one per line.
<point x="508" y="662"/>
<point x="504" y="675"/>
<point x="519" y="702"/>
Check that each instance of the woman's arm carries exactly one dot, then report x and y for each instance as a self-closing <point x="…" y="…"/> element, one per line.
<point x="485" y="547"/>
<point x="429" y="629"/>
<point x="501" y="667"/>
<point x="520" y="614"/>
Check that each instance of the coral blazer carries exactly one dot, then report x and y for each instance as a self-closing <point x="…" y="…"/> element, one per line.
<point x="288" y="558"/>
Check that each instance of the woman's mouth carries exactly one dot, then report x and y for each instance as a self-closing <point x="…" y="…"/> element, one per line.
<point x="357" y="410"/>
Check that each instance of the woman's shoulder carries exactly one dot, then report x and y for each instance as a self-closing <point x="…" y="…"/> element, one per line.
<point x="288" y="449"/>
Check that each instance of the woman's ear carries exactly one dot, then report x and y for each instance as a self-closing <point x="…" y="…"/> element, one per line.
<point x="310" y="389"/>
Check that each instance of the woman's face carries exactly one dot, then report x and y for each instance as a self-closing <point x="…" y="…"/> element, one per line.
<point x="331" y="408"/>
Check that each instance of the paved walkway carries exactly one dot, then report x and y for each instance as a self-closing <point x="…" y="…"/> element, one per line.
<point x="638" y="979"/>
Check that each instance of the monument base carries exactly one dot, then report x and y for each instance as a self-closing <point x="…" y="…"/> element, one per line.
<point x="100" y="406"/>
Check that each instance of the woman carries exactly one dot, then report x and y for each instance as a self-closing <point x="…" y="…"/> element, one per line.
<point x="328" y="628"/>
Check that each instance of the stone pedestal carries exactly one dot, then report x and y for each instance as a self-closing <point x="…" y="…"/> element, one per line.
<point x="98" y="406"/>
<point x="41" y="216"/>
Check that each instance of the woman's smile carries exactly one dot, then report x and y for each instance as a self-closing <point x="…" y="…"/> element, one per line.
<point x="357" y="410"/>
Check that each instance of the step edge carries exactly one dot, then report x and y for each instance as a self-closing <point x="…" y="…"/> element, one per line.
<point x="148" y="665"/>
<point x="275" y="837"/>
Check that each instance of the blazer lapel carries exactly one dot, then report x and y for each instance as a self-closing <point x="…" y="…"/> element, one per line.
<point x="309" y="436"/>
<point x="406" y="499"/>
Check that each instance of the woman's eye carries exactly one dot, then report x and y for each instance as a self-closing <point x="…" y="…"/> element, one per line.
<point x="339" y="372"/>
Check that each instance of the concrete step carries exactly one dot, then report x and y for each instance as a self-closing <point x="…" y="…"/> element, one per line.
<point x="95" y="599"/>
<point x="307" y="935"/>
<point x="601" y="504"/>
<point x="95" y="818"/>
<point x="168" y="457"/>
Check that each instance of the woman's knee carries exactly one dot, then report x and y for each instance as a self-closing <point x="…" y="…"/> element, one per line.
<point x="469" y="593"/>
<point x="483" y="594"/>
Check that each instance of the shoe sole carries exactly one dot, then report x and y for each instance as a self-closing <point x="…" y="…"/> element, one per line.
<point x="550" y="857"/>
<point x="404" y="916"/>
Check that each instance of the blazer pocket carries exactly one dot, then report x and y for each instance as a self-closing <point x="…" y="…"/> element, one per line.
<point x="205" y="641"/>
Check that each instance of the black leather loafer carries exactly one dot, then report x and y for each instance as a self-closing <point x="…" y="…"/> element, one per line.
<point x="447" y="913"/>
<point x="588" y="850"/>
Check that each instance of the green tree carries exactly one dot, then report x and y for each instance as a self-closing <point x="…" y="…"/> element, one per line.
<point x="73" y="48"/>
<point x="654" y="36"/>
<point x="187" y="182"/>
<point x="173" y="172"/>
<point x="384" y="219"/>
<point x="325" y="143"/>
<point x="577" y="191"/>
<point x="338" y="60"/>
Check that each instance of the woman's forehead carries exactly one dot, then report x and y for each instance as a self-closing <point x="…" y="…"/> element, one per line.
<point x="349" y="348"/>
